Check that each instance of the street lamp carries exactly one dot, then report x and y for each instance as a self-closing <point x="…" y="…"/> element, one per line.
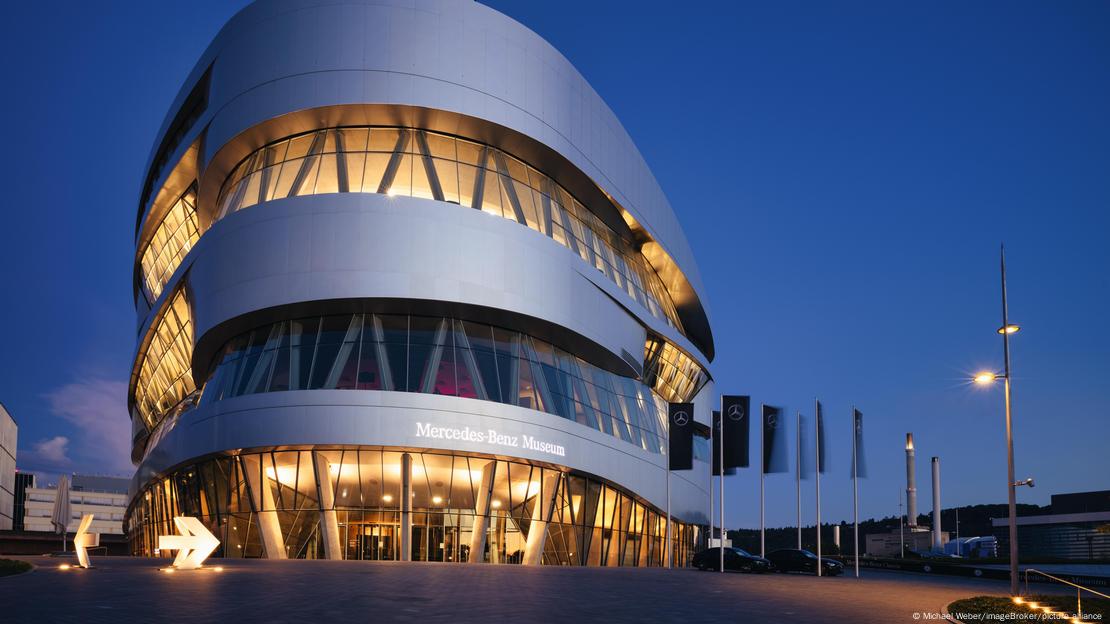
<point x="984" y="378"/>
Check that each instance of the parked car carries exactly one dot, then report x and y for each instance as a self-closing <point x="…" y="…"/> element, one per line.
<point x="735" y="559"/>
<point x="794" y="560"/>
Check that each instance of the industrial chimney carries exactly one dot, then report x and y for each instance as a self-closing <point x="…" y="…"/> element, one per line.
<point x="937" y="546"/>
<point x="911" y="484"/>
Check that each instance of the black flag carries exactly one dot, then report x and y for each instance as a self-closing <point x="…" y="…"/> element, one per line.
<point x="859" y="466"/>
<point x="822" y="458"/>
<point x="736" y="430"/>
<point x="774" y="440"/>
<point x="680" y="424"/>
<point x="716" y="450"/>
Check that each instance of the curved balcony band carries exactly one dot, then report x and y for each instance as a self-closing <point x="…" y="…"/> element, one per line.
<point x="417" y="163"/>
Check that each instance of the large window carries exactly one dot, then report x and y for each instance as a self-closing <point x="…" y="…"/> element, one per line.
<point x="437" y="355"/>
<point x="257" y="502"/>
<point x="173" y="238"/>
<point x="165" y="373"/>
<point x="674" y="375"/>
<point x="418" y="163"/>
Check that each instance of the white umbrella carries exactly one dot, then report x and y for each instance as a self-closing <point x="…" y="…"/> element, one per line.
<point x="60" y="516"/>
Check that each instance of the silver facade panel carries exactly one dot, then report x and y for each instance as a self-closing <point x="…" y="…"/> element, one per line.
<point x="351" y="246"/>
<point x="453" y="55"/>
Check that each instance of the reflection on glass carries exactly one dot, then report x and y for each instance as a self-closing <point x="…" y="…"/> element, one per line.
<point x="419" y="163"/>
<point x="165" y="374"/>
<point x="590" y="523"/>
<point x="172" y="239"/>
<point x="436" y="355"/>
<point x="674" y="375"/>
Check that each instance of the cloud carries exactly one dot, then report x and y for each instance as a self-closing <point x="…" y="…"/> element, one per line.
<point x="97" y="408"/>
<point x="48" y="455"/>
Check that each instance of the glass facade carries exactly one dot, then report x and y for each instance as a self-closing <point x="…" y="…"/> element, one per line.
<point x="256" y="502"/>
<point x="419" y="163"/>
<point x="165" y="373"/>
<point x="173" y="238"/>
<point x="437" y="355"/>
<point x="670" y="372"/>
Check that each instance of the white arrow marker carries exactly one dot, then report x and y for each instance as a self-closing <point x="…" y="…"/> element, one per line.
<point x="193" y="545"/>
<point x="83" y="539"/>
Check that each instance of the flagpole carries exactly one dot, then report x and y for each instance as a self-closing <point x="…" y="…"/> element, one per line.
<point x="763" y="468"/>
<point x="711" y="490"/>
<point x="817" y="455"/>
<point x="667" y="529"/>
<point x="798" y="479"/>
<point x="721" y="446"/>
<point x="855" y="489"/>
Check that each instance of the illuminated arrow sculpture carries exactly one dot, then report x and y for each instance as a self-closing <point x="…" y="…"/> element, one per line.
<point x="83" y="539"/>
<point x="193" y="545"/>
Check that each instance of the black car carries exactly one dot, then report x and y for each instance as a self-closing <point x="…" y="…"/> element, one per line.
<point x="735" y="559"/>
<point x="794" y="560"/>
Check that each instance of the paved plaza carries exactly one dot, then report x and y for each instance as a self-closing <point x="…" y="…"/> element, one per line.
<point x="135" y="590"/>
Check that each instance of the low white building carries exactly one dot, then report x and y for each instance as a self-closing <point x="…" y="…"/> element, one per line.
<point x="105" y="497"/>
<point x="8" y="433"/>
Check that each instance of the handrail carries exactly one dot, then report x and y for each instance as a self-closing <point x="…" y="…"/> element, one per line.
<point x="1078" y="589"/>
<point x="1056" y="578"/>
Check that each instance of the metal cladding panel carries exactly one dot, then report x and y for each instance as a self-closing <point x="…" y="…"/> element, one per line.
<point x="354" y="246"/>
<point x="391" y="419"/>
<point x="454" y="55"/>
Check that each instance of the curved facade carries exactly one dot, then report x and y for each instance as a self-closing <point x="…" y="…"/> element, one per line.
<point x="407" y="290"/>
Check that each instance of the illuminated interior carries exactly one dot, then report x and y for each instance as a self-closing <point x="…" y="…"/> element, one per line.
<point x="436" y="355"/>
<point x="165" y="374"/>
<point x="674" y="375"/>
<point x="588" y="522"/>
<point x="173" y="238"/>
<point x="420" y="163"/>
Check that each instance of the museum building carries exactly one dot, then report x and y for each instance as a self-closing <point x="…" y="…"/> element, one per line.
<point x="406" y="289"/>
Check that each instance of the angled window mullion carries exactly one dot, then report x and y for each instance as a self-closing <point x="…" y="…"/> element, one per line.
<point x="241" y="189"/>
<point x="341" y="163"/>
<point x="394" y="162"/>
<point x="350" y="342"/>
<point x="384" y="366"/>
<point x="510" y="188"/>
<point x="265" y="173"/>
<point x="306" y="164"/>
<point x="427" y="385"/>
<point x="429" y="165"/>
<point x="462" y="350"/>
<point x="480" y="179"/>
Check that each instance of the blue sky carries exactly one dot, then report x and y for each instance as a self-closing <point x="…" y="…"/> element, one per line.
<point x="845" y="173"/>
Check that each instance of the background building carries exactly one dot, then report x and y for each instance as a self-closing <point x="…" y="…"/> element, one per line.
<point x="406" y="289"/>
<point x="23" y="482"/>
<point x="106" y="497"/>
<point x="1077" y="528"/>
<point x="9" y="432"/>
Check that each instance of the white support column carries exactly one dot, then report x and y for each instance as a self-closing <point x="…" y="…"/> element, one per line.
<point x="481" y="514"/>
<point x="541" y="515"/>
<point x="329" y="520"/>
<point x="406" y="507"/>
<point x="262" y="499"/>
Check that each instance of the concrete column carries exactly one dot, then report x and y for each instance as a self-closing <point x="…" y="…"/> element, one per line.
<point x="541" y="515"/>
<point x="911" y="483"/>
<point x="329" y="520"/>
<point x="262" y="499"/>
<point x="836" y="536"/>
<point x="481" y="514"/>
<point x="937" y="545"/>
<point x="406" y="507"/>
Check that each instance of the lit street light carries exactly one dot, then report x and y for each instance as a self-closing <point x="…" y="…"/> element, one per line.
<point x="985" y="378"/>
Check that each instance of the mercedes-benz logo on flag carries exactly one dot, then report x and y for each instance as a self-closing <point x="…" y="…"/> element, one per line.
<point x="681" y="418"/>
<point x="736" y="412"/>
<point x="773" y="420"/>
